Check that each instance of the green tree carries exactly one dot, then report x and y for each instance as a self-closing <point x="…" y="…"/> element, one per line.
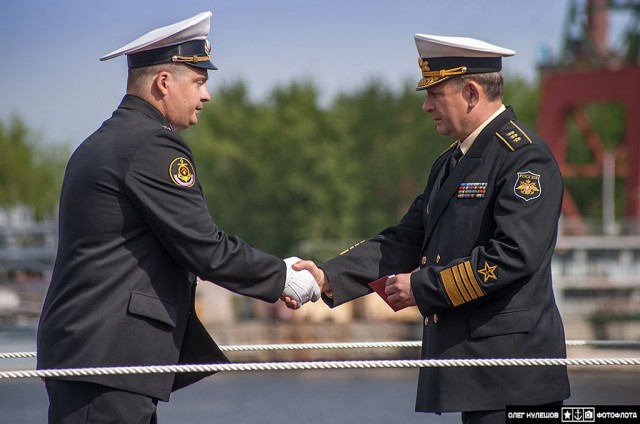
<point x="523" y="97"/>
<point x="285" y="170"/>
<point x="391" y="145"/>
<point x="30" y="173"/>
<point x="269" y="168"/>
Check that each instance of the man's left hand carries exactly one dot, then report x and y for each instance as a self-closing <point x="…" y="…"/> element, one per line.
<point x="398" y="291"/>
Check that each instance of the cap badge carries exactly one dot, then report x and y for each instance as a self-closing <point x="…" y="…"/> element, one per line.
<point x="181" y="172"/>
<point x="207" y="47"/>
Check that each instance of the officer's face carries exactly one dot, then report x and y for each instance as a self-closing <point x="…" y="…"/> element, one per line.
<point x="188" y="94"/>
<point x="448" y="108"/>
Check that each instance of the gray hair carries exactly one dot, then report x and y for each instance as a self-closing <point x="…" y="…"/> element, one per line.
<point x="491" y="82"/>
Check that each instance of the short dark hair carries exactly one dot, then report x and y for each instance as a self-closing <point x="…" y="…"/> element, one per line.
<point x="140" y="78"/>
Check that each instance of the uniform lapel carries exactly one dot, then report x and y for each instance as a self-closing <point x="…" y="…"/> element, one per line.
<point x="433" y="188"/>
<point x="439" y="200"/>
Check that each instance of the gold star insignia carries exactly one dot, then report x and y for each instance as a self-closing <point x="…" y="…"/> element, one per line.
<point x="488" y="272"/>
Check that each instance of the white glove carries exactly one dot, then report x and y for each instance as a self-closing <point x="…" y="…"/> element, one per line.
<point x="300" y="285"/>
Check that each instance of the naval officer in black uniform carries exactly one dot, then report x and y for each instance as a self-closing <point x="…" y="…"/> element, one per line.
<point x="473" y="252"/>
<point x="134" y="231"/>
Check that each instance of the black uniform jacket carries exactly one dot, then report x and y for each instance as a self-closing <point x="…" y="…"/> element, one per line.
<point x="134" y="229"/>
<point x="481" y="249"/>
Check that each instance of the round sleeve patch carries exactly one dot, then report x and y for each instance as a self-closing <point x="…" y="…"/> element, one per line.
<point x="181" y="172"/>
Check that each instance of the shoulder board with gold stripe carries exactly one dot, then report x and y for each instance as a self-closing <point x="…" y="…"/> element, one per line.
<point x="513" y="136"/>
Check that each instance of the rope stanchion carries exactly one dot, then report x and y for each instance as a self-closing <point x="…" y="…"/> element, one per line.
<point x="357" y="345"/>
<point x="324" y="365"/>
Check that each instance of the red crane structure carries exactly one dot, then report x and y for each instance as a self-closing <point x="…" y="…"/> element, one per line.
<point x="588" y="72"/>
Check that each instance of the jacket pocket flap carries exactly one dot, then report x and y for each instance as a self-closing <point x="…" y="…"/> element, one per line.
<point x="152" y="307"/>
<point x="504" y="323"/>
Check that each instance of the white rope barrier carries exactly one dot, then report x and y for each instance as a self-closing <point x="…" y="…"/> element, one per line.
<point x="325" y="365"/>
<point x="320" y="346"/>
<point x="604" y="343"/>
<point x="356" y="345"/>
<point x="16" y="355"/>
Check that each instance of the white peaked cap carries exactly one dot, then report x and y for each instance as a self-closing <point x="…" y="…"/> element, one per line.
<point x="443" y="46"/>
<point x="194" y="28"/>
<point x="185" y="41"/>
<point x="442" y="57"/>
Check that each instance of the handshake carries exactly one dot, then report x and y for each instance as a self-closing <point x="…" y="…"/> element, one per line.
<point x="300" y="286"/>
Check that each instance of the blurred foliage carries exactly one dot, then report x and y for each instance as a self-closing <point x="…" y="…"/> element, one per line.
<point x="287" y="169"/>
<point x="30" y="173"/>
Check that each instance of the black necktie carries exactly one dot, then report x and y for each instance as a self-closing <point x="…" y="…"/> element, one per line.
<point x="452" y="161"/>
<point x="454" y="157"/>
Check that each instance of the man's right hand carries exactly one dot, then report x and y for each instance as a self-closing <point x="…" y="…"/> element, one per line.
<point x="318" y="274"/>
<point x="299" y="287"/>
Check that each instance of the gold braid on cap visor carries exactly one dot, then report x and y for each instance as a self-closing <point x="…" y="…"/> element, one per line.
<point x="445" y="72"/>
<point x="429" y="77"/>
<point x="192" y="59"/>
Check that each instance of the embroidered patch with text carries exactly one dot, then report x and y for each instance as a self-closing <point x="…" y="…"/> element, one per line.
<point x="527" y="186"/>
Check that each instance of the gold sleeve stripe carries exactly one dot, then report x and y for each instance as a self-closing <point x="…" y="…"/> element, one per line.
<point x="465" y="280"/>
<point x="450" y="287"/>
<point x="473" y="280"/>
<point x="460" y="284"/>
<point x="505" y="142"/>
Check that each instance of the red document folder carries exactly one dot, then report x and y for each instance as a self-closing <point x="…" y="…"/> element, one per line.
<point x="378" y="287"/>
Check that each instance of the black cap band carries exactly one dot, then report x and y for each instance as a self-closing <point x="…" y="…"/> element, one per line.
<point x="474" y="65"/>
<point x="194" y="53"/>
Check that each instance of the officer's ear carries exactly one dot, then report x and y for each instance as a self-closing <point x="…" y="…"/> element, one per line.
<point x="161" y="82"/>
<point x="472" y="92"/>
